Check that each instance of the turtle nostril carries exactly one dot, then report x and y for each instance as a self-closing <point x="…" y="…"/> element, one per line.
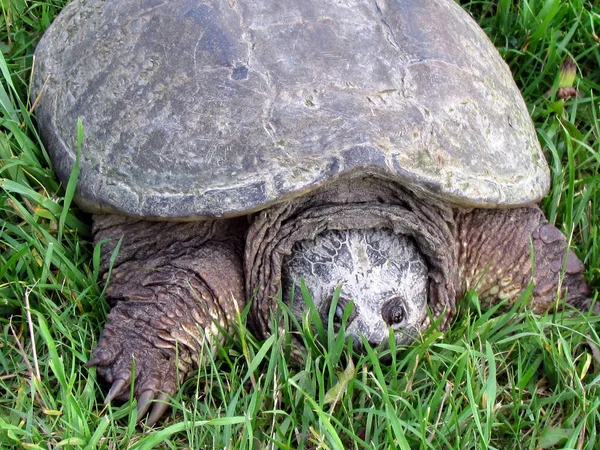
<point x="393" y="311"/>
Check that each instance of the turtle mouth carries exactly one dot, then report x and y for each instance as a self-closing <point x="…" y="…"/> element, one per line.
<point x="381" y="276"/>
<point x="308" y="237"/>
<point x="398" y="324"/>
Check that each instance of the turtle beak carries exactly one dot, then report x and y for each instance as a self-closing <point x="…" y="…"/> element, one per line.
<point x="375" y="326"/>
<point x="369" y="326"/>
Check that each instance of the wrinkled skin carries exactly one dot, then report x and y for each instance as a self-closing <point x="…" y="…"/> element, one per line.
<point x="176" y="286"/>
<point x="173" y="290"/>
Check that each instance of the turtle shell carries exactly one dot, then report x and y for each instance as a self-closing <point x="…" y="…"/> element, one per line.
<point x="216" y="108"/>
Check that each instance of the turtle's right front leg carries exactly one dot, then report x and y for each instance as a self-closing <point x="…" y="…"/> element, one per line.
<point x="173" y="291"/>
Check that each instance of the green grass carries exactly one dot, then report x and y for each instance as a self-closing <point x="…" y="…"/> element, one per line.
<point x="512" y="380"/>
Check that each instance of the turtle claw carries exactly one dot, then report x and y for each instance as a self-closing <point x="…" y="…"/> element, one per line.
<point x="123" y="358"/>
<point x="93" y="362"/>
<point x="144" y="402"/>
<point x="158" y="410"/>
<point x="117" y="388"/>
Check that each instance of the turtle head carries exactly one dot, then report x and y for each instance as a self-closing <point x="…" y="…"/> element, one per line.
<point x="382" y="274"/>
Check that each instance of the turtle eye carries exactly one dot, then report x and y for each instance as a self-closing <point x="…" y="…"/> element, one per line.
<point x="339" y="313"/>
<point x="340" y="307"/>
<point x="393" y="311"/>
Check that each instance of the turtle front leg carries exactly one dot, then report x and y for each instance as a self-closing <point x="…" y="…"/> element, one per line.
<point x="173" y="292"/>
<point x="494" y="257"/>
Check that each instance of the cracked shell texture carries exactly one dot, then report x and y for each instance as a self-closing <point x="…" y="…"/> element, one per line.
<point x="216" y="108"/>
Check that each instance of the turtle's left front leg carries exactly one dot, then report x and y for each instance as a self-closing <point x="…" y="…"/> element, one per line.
<point x="494" y="255"/>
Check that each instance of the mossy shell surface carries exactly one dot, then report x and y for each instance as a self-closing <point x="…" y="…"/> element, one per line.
<point x="196" y="109"/>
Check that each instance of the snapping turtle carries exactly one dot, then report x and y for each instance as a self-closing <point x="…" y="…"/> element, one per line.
<point x="238" y="148"/>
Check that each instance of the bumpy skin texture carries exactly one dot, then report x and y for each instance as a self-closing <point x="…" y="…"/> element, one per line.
<point x="358" y="203"/>
<point x="175" y="285"/>
<point x="494" y="258"/>
<point x="173" y="289"/>
<point x="488" y="251"/>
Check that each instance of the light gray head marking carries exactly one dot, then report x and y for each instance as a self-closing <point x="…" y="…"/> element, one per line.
<point x="383" y="274"/>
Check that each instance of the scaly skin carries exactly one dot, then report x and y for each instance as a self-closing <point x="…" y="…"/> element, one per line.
<point x="494" y="258"/>
<point x="173" y="285"/>
<point x="171" y="291"/>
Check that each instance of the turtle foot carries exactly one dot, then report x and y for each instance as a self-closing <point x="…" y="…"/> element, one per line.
<point x="173" y="291"/>
<point x="135" y="365"/>
<point x="502" y="249"/>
